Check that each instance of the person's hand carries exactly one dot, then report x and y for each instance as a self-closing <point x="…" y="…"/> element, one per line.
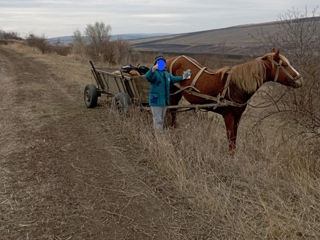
<point x="186" y="74"/>
<point x="155" y="67"/>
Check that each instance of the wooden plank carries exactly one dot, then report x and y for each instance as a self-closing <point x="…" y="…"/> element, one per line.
<point x="105" y="82"/>
<point x="131" y="90"/>
<point x="136" y="92"/>
<point x="142" y="87"/>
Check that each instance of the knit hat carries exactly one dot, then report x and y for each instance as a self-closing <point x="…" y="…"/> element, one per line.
<point x="158" y="58"/>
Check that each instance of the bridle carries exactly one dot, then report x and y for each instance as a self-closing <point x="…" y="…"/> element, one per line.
<point x="280" y="66"/>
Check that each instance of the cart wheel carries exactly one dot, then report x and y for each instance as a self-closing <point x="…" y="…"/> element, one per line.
<point x="90" y="96"/>
<point x="122" y="102"/>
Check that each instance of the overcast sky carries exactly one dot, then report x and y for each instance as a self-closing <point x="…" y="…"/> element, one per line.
<point x="62" y="17"/>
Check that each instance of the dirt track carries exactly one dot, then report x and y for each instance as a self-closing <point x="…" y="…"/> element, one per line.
<point x="65" y="171"/>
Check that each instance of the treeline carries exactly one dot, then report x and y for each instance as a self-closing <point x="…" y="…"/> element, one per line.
<point x="94" y="43"/>
<point x="9" y="35"/>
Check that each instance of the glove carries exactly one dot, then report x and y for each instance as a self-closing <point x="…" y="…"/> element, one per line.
<point x="186" y="74"/>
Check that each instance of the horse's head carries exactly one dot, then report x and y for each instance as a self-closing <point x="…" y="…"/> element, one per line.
<point x="281" y="69"/>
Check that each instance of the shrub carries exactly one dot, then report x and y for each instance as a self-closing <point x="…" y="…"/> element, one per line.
<point x="39" y="42"/>
<point x="60" y="49"/>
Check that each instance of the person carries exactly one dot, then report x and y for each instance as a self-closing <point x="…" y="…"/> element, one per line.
<point x="159" y="94"/>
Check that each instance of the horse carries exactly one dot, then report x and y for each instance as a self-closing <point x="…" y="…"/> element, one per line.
<point x="236" y="84"/>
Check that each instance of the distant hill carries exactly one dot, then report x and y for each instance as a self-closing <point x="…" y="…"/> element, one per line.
<point x="237" y="40"/>
<point x="68" y="39"/>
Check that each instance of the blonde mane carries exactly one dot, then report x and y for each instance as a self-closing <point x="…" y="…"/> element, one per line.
<point x="249" y="76"/>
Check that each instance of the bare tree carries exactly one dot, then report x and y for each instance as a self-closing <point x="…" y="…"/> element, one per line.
<point x="297" y="34"/>
<point x="78" y="43"/>
<point x="96" y="43"/>
<point x="98" y="36"/>
<point x="123" y="51"/>
<point x="39" y="42"/>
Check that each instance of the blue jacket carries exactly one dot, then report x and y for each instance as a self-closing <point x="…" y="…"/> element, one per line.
<point x="160" y="86"/>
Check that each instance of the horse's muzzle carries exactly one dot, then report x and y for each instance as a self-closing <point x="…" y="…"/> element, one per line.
<point x="298" y="83"/>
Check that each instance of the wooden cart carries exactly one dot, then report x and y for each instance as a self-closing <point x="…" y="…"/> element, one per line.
<point x="125" y="90"/>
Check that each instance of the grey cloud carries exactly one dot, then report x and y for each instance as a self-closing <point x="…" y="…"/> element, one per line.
<point x="62" y="17"/>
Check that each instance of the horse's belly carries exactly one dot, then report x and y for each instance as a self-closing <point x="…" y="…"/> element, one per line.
<point x="193" y="99"/>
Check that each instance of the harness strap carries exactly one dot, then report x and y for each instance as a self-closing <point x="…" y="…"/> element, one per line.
<point x="197" y="64"/>
<point x="226" y="86"/>
<point x="194" y="81"/>
<point x="279" y="65"/>
<point x="181" y="89"/>
<point x="216" y="99"/>
<point x="171" y="65"/>
<point x="192" y="90"/>
<point x="289" y="75"/>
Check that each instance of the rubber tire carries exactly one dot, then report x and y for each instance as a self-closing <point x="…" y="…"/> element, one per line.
<point x="90" y="96"/>
<point x="122" y="102"/>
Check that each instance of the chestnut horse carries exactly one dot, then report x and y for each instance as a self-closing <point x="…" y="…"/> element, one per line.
<point x="244" y="80"/>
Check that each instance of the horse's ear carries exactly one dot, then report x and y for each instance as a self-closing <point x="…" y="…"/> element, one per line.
<point x="273" y="50"/>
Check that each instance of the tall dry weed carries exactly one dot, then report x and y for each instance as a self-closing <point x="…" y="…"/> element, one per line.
<point x="267" y="191"/>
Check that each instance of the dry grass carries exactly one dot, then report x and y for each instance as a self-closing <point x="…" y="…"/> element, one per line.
<point x="266" y="191"/>
<point x="270" y="190"/>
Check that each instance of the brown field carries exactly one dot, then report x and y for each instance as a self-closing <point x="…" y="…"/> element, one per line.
<point x="241" y="40"/>
<point x="68" y="172"/>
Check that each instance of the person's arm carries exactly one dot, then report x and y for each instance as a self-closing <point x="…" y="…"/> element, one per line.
<point x="150" y="75"/>
<point x="186" y="75"/>
<point x="175" y="79"/>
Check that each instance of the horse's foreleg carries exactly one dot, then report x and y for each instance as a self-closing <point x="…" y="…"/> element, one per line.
<point x="229" y="121"/>
<point x="237" y="118"/>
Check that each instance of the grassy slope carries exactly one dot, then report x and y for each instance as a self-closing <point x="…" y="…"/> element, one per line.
<point x="241" y="40"/>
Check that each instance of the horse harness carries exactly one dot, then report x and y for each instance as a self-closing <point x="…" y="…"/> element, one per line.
<point x="280" y="66"/>
<point x="191" y="89"/>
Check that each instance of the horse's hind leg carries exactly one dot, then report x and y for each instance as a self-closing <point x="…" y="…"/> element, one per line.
<point x="174" y="100"/>
<point x="232" y="120"/>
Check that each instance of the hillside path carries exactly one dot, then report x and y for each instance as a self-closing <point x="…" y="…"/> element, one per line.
<point x="66" y="172"/>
